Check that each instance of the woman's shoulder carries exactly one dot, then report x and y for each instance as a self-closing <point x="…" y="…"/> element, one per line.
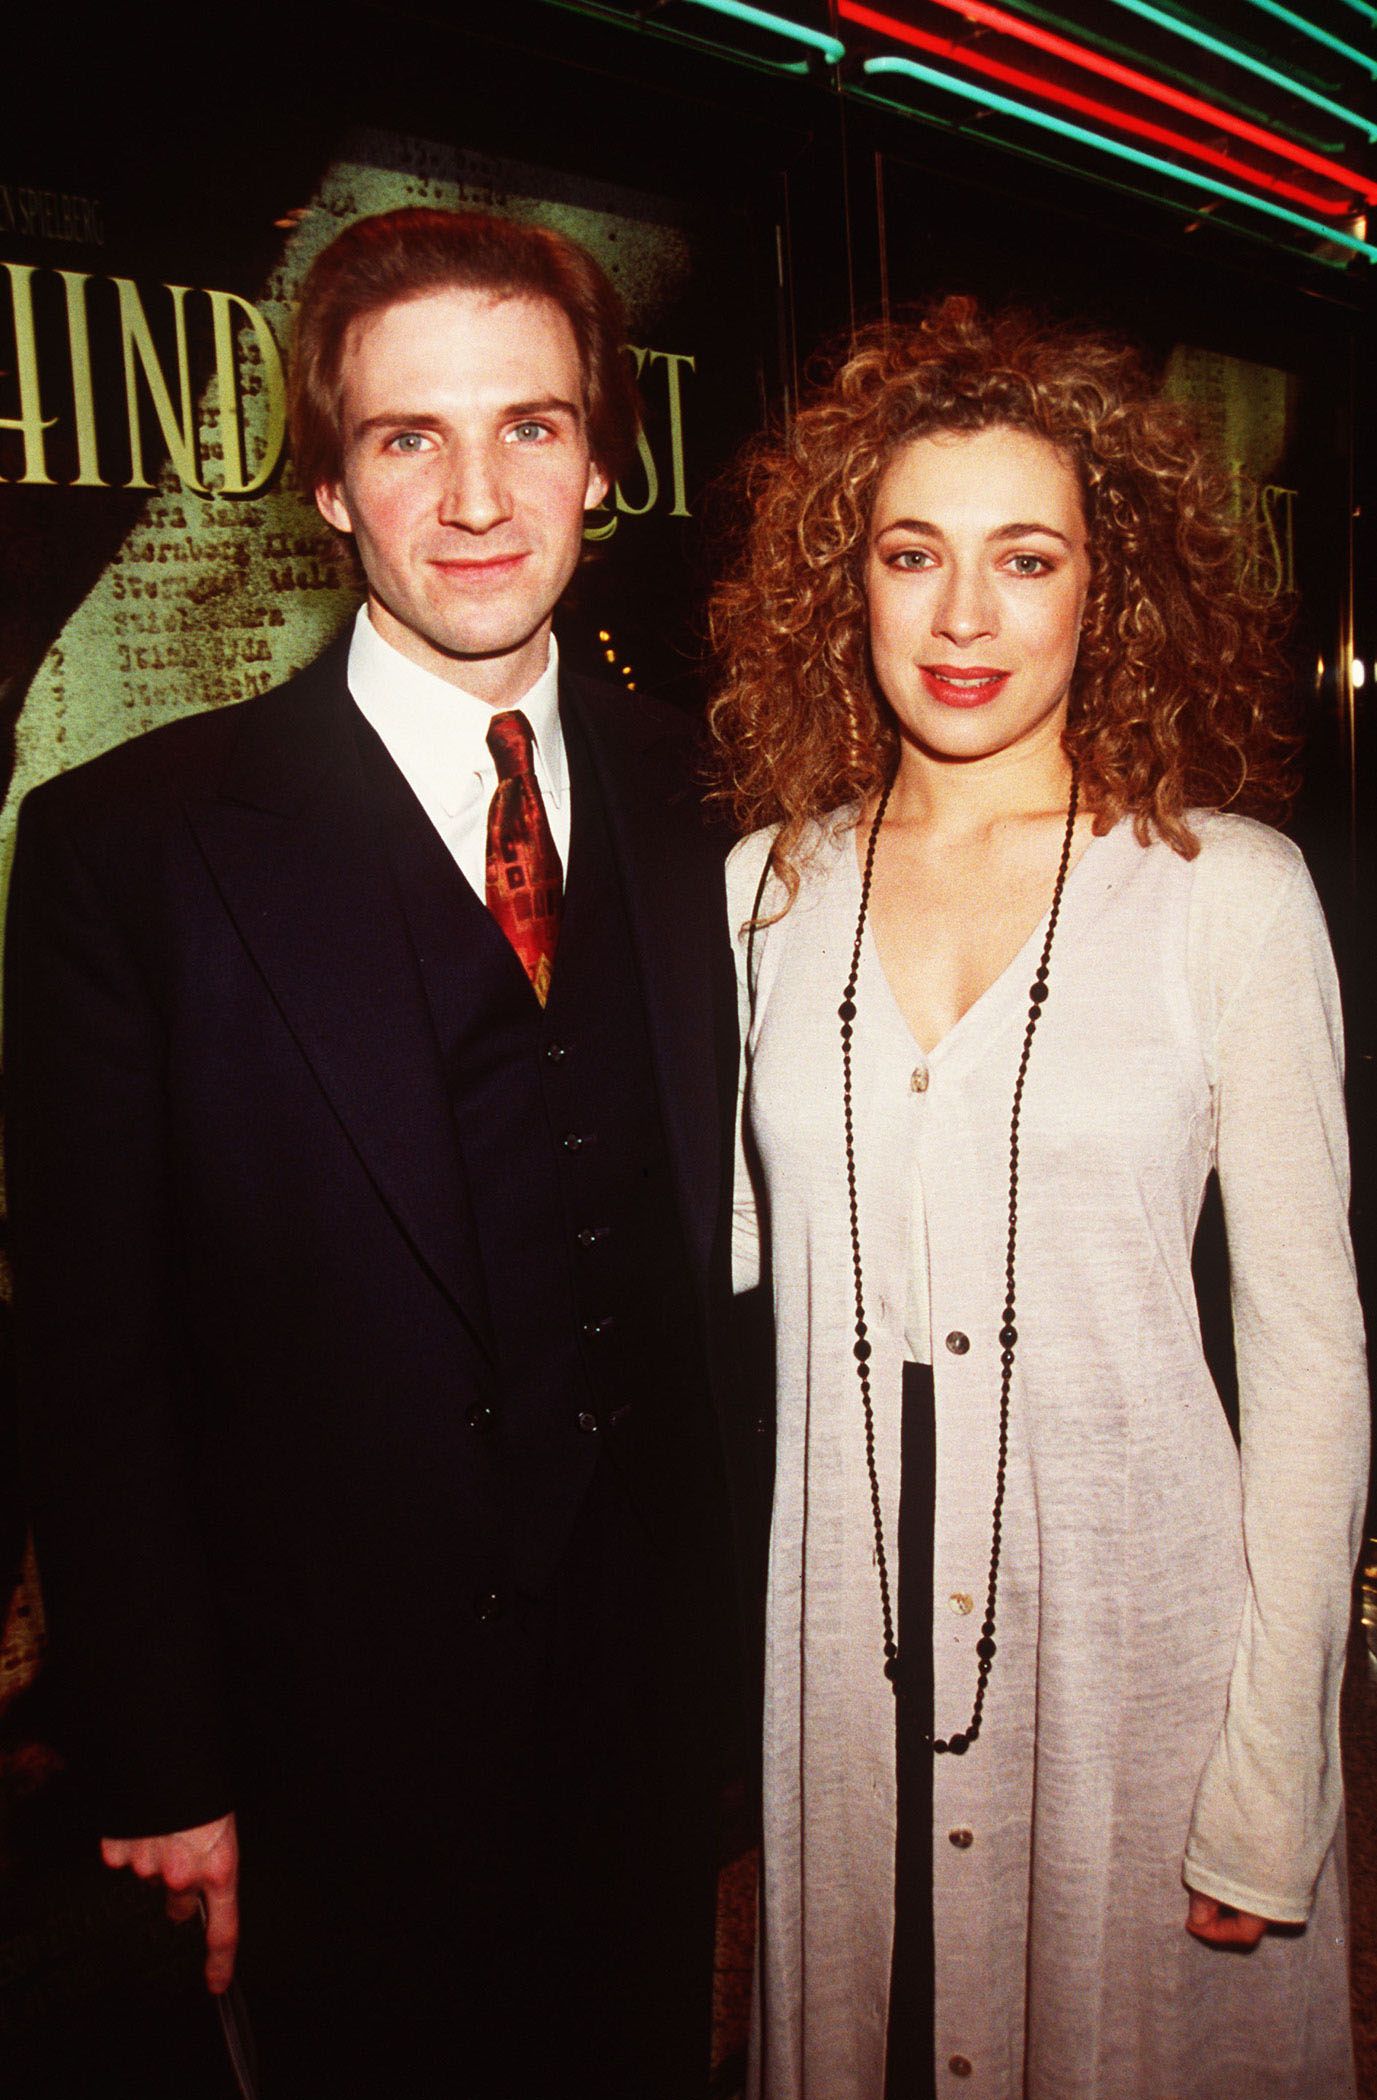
<point x="813" y="855"/>
<point x="1239" y="852"/>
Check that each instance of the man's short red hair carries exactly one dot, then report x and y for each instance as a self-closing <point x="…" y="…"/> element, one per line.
<point x="399" y="255"/>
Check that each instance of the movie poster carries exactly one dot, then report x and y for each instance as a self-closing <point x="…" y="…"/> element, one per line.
<point x="160" y="555"/>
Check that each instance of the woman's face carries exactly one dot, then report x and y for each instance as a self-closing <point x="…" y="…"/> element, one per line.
<point x="976" y="578"/>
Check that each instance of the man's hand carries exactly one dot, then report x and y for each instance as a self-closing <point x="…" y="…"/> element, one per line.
<point x="203" y="1862"/>
<point x="1221" y="1924"/>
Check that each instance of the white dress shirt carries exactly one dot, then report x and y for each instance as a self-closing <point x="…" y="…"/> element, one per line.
<point x="437" y="734"/>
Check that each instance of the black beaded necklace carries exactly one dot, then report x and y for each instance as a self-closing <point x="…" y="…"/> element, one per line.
<point x="960" y="1741"/>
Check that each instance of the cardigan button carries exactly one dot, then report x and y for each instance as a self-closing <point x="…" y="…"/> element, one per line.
<point x="962" y="1839"/>
<point x="960" y="1602"/>
<point x="918" y="1079"/>
<point x="957" y="1342"/>
<point x="959" y="2066"/>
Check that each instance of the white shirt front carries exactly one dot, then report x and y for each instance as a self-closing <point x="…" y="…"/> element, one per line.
<point x="437" y="734"/>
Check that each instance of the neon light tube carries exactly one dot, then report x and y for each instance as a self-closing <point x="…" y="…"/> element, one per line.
<point x="1178" y="26"/>
<point x="1045" y="121"/>
<point x="796" y="32"/>
<point x="1317" y="35"/>
<point x="1360" y="7"/>
<point x="1123" y="76"/>
<point x="1121" y="120"/>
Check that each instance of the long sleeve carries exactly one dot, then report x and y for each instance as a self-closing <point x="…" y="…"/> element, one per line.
<point x="1263" y="979"/>
<point x="102" y="1382"/>
<point x="745" y="869"/>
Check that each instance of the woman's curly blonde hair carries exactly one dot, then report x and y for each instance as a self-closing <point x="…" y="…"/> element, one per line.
<point x="1178" y="699"/>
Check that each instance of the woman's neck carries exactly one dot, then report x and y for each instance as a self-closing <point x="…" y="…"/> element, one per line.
<point x="950" y="796"/>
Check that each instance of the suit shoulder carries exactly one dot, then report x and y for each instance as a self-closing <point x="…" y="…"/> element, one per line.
<point x="186" y="756"/>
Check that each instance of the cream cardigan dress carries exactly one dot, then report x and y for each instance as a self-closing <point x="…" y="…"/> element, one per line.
<point x="1172" y="1613"/>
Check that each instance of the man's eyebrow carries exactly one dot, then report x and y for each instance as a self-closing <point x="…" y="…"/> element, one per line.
<point x="513" y="412"/>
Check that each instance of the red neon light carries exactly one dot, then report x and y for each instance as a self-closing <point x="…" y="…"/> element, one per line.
<point x="1086" y="105"/>
<point x="1123" y="76"/>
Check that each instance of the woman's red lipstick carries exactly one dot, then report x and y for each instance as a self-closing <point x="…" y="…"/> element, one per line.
<point x="963" y="685"/>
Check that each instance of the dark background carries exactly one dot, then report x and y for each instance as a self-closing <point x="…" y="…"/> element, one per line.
<point x="806" y="210"/>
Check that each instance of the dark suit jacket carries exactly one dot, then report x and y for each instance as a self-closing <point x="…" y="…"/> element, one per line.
<point x="245" y="1258"/>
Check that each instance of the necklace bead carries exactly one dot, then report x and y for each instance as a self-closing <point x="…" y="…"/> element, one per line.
<point x="958" y="1743"/>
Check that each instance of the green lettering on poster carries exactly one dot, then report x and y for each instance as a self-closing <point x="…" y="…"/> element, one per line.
<point x="31" y="422"/>
<point x="236" y="482"/>
<point x="673" y="359"/>
<point x="74" y="283"/>
<point x="136" y="340"/>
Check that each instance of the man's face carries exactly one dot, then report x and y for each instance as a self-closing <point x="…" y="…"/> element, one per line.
<point x="466" y="475"/>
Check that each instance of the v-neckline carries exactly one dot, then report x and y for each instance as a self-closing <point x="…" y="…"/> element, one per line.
<point x="997" y="990"/>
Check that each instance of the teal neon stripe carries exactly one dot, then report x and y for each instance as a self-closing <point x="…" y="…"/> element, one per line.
<point x="1178" y="26"/>
<point x="1045" y="121"/>
<point x="1360" y="7"/>
<point x="1365" y="59"/>
<point x="797" y="32"/>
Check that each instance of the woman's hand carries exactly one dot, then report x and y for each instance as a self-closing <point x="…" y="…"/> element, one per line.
<point x="1221" y="1924"/>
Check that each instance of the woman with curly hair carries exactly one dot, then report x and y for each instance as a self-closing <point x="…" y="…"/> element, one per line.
<point x="1052" y="1784"/>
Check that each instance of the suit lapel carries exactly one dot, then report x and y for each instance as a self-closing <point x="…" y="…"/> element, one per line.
<point x="299" y="859"/>
<point x="672" y="879"/>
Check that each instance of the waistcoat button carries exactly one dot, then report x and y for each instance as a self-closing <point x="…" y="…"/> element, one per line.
<point x="489" y="1604"/>
<point x="962" y="1839"/>
<point x="480" y="1416"/>
<point x="959" y="2066"/>
<point x="555" y="1053"/>
<point x="591" y="1234"/>
<point x="957" y="1342"/>
<point x="586" y="1422"/>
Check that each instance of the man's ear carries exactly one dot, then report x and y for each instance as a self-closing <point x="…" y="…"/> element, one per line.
<point x="331" y="505"/>
<point x="598" y="486"/>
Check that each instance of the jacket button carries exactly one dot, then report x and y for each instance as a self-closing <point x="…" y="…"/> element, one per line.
<point x="555" y="1053"/>
<point x="957" y="1342"/>
<point x="962" y="1839"/>
<point x="575" y="1142"/>
<point x="586" y="1422"/>
<point x="480" y="1416"/>
<point x="489" y="1604"/>
<point x="591" y="1234"/>
<point x="959" y="2066"/>
<point x="593" y="1328"/>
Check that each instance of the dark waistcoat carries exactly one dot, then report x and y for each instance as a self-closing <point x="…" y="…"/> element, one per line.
<point x="594" y="1321"/>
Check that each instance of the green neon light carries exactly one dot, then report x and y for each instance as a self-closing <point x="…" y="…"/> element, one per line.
<point x="1317" y="35"/>
<point x="1180" y="76"/>
<point x="1360" y="7"/>
<point x="1045" y="121"/>
<point x="1191" y="31"/>
<point x="797" y="32"/>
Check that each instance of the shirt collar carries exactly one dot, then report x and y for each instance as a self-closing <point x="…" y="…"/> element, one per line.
<point x="441" y="731"/>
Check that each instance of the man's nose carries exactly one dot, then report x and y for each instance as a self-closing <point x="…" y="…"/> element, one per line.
<point x="966" y="608"/>
<point x="475" y="496"/>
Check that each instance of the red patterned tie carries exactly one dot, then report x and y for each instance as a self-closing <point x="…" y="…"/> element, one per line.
<point x="524" y="878"/>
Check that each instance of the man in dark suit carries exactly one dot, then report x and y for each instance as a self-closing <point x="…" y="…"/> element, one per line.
<point x="371" y="1058"/>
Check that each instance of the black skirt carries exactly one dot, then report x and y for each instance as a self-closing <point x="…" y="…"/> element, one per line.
<point x="909" y="2053"/>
